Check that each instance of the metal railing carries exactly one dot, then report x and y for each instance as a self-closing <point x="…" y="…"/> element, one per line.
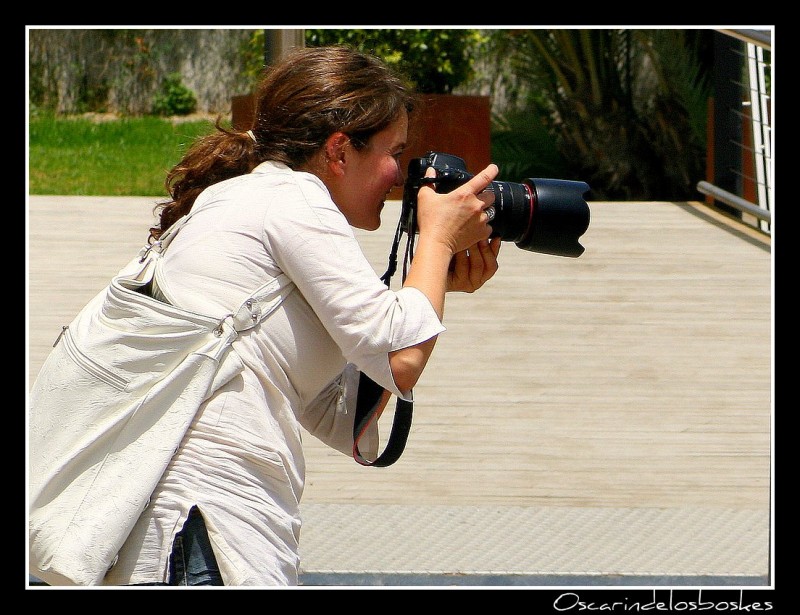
<point x="740" y="174"/>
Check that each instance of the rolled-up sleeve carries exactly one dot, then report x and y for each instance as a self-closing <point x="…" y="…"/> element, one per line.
<point x="314" y="245"/>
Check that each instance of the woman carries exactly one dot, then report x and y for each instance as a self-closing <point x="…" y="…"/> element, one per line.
<point x="280" y="200"/>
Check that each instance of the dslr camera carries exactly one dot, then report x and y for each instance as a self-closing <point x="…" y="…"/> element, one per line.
<point x="539" y="215"/>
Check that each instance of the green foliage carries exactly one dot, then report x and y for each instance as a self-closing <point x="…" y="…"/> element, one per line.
<point x="252" y="54"/>
<point x="522" y="147"/>
<point x="174" y="98"/>
<point x="435" y="61"/>
<point x="93" y="98"/>
<point x="126" y="157"/>
<point x="674" y="57"/>
<point x="627" y="107"/>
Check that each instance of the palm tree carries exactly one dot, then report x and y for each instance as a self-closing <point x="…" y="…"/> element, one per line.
<point x="627" y="107"/>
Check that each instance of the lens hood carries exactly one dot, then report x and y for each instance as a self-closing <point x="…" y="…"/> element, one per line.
<point x="560" y="217"/>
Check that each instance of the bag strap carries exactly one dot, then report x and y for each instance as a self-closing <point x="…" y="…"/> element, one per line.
<point x="152" y="249"/>
<point x="160" y="244"/>
<point x="369" y="394"/>
<point x="261" y="304"/>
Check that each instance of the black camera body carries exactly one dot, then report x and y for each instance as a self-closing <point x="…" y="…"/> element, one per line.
<point x="539" y="215"/>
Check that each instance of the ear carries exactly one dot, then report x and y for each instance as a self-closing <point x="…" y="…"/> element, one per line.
<point x="335" y="152"/>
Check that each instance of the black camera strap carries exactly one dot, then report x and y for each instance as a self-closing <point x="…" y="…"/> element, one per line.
<point x="370" y="393"/>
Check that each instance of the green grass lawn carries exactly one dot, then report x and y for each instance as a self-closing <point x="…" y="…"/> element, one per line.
<point x="122" y="157"/>
<point x="131" y="156"/>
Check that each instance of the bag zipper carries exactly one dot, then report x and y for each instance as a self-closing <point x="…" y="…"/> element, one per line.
<point x="95" y="369"/>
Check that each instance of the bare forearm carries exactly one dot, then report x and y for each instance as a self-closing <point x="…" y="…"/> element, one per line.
<point x="428" y="271"/>
<point x="428" y="274"/>
<point x="449" y="224"/>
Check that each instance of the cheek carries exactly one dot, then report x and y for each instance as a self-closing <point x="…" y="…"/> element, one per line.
<point x="390" y="173"/>
<point x="379" y="181"/>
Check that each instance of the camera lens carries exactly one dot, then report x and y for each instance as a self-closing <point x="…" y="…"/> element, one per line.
<point x="560" y="216"/>
<point x="542" y="215"/>
<point x="513" y="205"/>
<point x="539" y="215"/>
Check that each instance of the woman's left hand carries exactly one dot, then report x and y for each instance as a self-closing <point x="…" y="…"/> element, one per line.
<point x="470" y="269"/>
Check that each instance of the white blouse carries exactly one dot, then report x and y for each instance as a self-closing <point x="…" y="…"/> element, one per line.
<point x="242" y="460"/>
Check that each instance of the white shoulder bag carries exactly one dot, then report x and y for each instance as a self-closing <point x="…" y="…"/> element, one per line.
<point x="110" y="407"/>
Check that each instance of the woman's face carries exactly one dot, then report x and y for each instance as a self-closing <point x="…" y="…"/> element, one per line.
<point x="370" y="174"/>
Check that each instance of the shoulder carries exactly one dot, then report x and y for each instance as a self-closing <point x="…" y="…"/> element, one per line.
<point x="277" y="174"/>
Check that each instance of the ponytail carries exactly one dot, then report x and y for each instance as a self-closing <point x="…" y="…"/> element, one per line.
<point x="210" y="159"/>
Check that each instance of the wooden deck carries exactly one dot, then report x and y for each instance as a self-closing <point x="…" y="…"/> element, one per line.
<point x="622" y="401"/>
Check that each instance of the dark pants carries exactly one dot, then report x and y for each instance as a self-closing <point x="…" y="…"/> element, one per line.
<point x="192" y="560"/>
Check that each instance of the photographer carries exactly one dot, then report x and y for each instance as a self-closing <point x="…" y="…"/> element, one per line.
<point x="280" y="200"/>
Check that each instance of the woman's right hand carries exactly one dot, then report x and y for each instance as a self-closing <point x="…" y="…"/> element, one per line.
<point x="449" y="224"/>
<point x="457" y="218"/>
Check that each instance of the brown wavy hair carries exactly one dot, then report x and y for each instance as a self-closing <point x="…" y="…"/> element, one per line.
<point x="311" y="94"/>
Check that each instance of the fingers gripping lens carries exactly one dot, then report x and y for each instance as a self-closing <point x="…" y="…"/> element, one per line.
<point x="539" y="215"/>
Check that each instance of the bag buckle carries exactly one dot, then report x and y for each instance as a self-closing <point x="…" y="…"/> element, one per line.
<point x="146" y="250"/>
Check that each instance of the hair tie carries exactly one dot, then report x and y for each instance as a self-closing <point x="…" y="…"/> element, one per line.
<point x="252" y="136"/>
